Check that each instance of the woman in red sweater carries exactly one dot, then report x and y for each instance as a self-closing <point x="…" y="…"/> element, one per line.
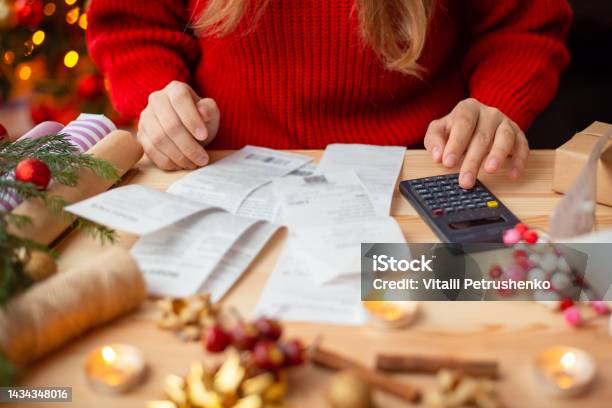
<point x="463" y="77"/>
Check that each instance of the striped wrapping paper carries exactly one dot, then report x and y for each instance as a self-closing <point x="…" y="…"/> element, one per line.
<point x="83" y="132"/>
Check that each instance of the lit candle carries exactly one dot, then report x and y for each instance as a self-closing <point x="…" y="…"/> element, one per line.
<point x="391" y="314"/>
<point x="565" y="371"/>
<point x="115" y="368"/>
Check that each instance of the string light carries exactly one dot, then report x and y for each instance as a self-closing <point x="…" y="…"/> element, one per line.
<point x="9" y="57"/>
<point x="70" y="2"/>
<point x="25" y="72"/>
<point x="73" y="15"/>
<point x="49" y="9"/>
<point x="71" y="58"/>
<point x="38" y="37"/>
<point x="83" y="21"/>
<point x="29" y="47"/>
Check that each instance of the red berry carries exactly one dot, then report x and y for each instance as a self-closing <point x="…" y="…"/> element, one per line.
<point x="519" y="253"/>
<point x="530" y="236"/>
<point x="268" y="355"/>
<point x="520" y="228"/>
<point x="33" y="171"/>
<point x="216" y="339"/>
<point x="495" y="271"/>
<point x="269" y="328"/>
<point x="294" y="352"/>
<point x="244" y="336"/>
<point x="565" y="303"/>
<point x="524" y="263"/>
<point x="505" y="292"/>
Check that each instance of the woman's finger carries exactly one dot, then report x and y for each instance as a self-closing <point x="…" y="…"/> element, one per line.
<point x="157" y="157"/>
<point x="211" y="115"/>
<point x="481" y="140"/>
<point x="503" y="144"/>
<point x="519" y="156"/>
<point x="183" y="100"/>
<point x="159" y="140"/>
<point x="435" y="139"/>
<point x="463" y="120"/>
<point x="179" y="135"/>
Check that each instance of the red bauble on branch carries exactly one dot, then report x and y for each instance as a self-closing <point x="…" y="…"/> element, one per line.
<point x="3" y="133"/>
<point x="29" y="13"/>
<point x="33" y="171"/>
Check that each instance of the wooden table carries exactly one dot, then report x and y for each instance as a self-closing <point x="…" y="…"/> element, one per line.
<point x="510" y="332"/>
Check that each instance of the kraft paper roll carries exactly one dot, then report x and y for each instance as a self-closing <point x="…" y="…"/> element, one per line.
<point x="58" y="309"/>
<point x="119" y="148"/>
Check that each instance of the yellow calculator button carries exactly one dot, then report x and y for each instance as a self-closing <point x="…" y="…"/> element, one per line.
<point x="492" y="204"/>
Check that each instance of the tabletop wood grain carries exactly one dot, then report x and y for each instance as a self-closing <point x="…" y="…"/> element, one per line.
<point x="509" y="332"/>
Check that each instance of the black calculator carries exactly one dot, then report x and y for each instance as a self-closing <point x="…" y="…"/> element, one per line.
<point x="458" y="215"/>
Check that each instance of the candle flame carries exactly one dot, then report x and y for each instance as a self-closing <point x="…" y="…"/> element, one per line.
<point x="568" y="360"/>
<point x="109" y="355"/>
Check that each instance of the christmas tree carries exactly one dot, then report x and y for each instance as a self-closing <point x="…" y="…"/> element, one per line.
<point x="43" y="55"/>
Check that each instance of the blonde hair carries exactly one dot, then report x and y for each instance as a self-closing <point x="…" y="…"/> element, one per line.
<point x="395" y="29"/>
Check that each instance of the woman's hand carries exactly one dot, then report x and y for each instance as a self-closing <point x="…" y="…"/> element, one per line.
<point x="484" y="134"/>
<point x="175" y="126"/>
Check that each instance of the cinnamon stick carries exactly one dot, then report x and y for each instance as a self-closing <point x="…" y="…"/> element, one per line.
<point x="432" y="364"/>
<point x="378" y="380"/>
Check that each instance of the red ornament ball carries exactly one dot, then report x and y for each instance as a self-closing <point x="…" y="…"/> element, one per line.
<point x="3" y="133"/>
<point x="33" y="171"/>
<point x="29" y="13"/>
<point x="90" y="86"/>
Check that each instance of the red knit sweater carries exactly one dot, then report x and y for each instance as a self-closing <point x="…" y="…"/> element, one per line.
<point x="303" y="78"/>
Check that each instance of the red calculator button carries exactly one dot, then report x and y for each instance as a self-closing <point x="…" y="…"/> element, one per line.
<point x="438" y="211"/>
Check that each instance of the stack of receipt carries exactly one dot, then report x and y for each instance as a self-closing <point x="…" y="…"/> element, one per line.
<point x="193" y="237"/>
<point x="329" y="214"/>
<point x="204" y="231"/>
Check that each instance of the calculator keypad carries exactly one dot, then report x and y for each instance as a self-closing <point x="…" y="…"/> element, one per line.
<point x="443" y="195"/>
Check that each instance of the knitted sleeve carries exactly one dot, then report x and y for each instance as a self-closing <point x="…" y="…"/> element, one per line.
<point x="516" y="54"/>
<point x="140" y="46"/>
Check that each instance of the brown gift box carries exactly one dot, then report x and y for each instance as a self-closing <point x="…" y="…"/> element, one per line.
<point x="571" y="157"/>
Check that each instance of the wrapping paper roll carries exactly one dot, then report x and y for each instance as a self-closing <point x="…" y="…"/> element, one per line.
<point x="52" y="312"/>
<point x="119" y="148"/>
<point x="43" y="129"/>
<point x="83" y="133"/>
<point x="87" y="130"/>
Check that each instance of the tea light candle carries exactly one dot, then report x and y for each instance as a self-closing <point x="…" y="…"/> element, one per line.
<point x="565" y="371"/>
<point x="391" y="314"/>
<point x="115" y="368"/>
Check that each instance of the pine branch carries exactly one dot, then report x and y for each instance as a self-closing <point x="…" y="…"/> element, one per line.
<point x="59" y="154"/>
<point x="8" y="373"/>
<point x="99" y="232"/>
<point x="28" y="191"/>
